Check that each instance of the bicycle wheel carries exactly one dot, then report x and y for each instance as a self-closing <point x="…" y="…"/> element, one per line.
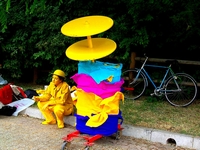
<point x="133" y="90"/>
<point x="186" y="93"/>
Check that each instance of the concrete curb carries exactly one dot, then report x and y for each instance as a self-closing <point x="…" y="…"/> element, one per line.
<point x="149" y="134"/>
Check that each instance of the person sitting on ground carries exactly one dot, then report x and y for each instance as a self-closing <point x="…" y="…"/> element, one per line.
<point x="56" y="99"/>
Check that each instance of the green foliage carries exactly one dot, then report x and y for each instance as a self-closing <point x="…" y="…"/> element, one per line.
<point x="31" y="35"/>
<point x="32" y="40"/>
<point x="7" y="5"/>
<point x="3" y="17"/>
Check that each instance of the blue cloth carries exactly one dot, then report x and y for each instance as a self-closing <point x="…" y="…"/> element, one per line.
<point x="101" y="71"/>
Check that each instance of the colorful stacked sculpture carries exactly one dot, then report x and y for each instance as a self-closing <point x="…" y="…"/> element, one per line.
<point x="98" y="83"/>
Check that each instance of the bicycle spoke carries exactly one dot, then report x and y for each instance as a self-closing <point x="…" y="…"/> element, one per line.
<point x="187" y="93"/>
<point x="133" y="90"/>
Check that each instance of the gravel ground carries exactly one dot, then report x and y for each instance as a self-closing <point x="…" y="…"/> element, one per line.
<point x="26" y="133"/>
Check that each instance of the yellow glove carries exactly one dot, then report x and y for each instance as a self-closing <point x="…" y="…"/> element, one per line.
<point x="36" y="98"/>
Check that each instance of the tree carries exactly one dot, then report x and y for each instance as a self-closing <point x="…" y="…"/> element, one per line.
<point x="30" y="30"/>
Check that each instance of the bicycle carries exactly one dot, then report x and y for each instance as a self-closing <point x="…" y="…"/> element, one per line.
<point x="180" y="89"/>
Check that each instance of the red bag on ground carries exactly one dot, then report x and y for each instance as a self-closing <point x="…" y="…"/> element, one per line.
<point x="6" y="94"/>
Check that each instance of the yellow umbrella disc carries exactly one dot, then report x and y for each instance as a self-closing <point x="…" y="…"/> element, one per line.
<point x="87" y="26"/>
<point x="82" y="52"/>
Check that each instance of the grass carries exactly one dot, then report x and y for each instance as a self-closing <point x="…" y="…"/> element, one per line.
<point x="155" y="112"/>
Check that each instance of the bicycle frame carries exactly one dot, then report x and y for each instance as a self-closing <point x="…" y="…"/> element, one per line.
<point x="180" y="89"/>
<point x="142" y="69"/>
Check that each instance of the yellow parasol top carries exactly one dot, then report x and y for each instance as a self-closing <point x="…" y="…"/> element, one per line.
<point x="87" y="26"/>
<point x="101" y="48"/>
<point x="91" y="48"/>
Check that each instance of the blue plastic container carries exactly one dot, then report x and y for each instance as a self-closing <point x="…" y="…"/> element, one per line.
<point x="109" y="127"/>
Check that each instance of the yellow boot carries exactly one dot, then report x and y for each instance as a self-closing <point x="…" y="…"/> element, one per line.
<point x="49" y="119"/>
<point x="59" y="113"/>
<point x="60" y="124"/>
<point x="48" y="122"/>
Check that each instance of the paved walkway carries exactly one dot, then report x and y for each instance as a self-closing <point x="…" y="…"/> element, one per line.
<point x="27" y="133"/>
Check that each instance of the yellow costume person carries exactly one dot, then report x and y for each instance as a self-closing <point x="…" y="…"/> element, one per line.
<point x="56" y="99"/>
